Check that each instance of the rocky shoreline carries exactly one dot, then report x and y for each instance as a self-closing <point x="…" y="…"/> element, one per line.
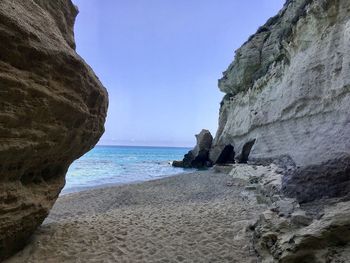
<point x="293" y="232"/>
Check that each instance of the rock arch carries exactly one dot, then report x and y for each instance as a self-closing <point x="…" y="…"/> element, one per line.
<point x="246" y="151"/>
<point x="227" y="155"/>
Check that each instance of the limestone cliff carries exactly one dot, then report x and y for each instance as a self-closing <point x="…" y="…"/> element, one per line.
<point x="52" y="110"/>
<point x="288" y="98"/>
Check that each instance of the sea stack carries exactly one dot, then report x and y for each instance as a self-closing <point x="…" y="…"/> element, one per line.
<point x="288" y="99"/>
<point x="198" y="157"/>
<point x="52" y="111"/>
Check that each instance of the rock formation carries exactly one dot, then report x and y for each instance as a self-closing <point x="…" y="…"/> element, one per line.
<point x="289" y="232"/>
<point x="199" y="156"/>
<point x="287" y="105"/>
<point x="52" y="111"/>
<point x="287" y="98"/>
<point x="300" y="238"/>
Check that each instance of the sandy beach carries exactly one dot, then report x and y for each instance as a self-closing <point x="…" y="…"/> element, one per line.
<point x="198" y="217"/>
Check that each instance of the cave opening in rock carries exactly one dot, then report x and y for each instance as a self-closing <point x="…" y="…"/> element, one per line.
<point x="246" y="151"/>
<point x="227" y="155"/>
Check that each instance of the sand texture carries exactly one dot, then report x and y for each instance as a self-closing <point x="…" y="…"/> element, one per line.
<point x="199" y="217"/>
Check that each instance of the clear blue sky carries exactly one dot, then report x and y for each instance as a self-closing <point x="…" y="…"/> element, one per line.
<point x="160" y="61"/>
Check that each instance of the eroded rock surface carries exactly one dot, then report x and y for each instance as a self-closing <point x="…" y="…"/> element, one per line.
<point x="287" y="103"/>
<point x="198" y="157"/>
<point x="296" y="235"/>
<point x="287" y="98"/>
<point x="290" y="232"/>
<point x="52" y="110"/>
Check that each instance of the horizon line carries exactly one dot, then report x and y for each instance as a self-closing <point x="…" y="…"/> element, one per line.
<point x="154" y="146"/>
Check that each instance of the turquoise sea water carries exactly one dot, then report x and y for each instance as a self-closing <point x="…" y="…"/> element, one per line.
<point x="107" y="165"/>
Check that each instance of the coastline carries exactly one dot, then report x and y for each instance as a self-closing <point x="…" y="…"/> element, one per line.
<point x="197" y="216"/>
<point x="106" y="166"/>
<point x="73" y="190"/>
<point x="76" y="190"/>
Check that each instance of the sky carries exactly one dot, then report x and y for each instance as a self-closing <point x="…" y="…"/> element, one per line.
<point x="160" y="61"/>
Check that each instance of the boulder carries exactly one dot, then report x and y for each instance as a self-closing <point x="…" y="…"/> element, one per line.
<point x="302" y="239"/>
<point x="199" y="156"/>
<point x="287" y="98"/>
<point x="52" y="111"/>
<point x="178" y="164"/>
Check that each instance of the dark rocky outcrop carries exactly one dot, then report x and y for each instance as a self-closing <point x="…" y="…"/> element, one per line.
<point x="328" y="179"/>
<point x="52" y="111"/>
<point x="199" y="156"/>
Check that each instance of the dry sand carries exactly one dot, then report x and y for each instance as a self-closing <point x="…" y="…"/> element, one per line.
<point x="199" y="217"/>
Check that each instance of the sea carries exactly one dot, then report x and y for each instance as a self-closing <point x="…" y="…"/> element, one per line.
<point x="112" y="165"/>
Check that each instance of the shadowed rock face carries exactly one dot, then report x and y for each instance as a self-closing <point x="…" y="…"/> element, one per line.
<point x="288" y="90"/>
<point x="198" y="157"/>
<point x="52" y="111"/>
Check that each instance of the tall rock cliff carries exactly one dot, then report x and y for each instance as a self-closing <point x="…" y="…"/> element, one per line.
<point x="288" y="98"/>
<point x="52" y="110"/>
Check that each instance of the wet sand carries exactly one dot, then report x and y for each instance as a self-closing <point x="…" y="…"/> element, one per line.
<point x="198" y="217"/>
